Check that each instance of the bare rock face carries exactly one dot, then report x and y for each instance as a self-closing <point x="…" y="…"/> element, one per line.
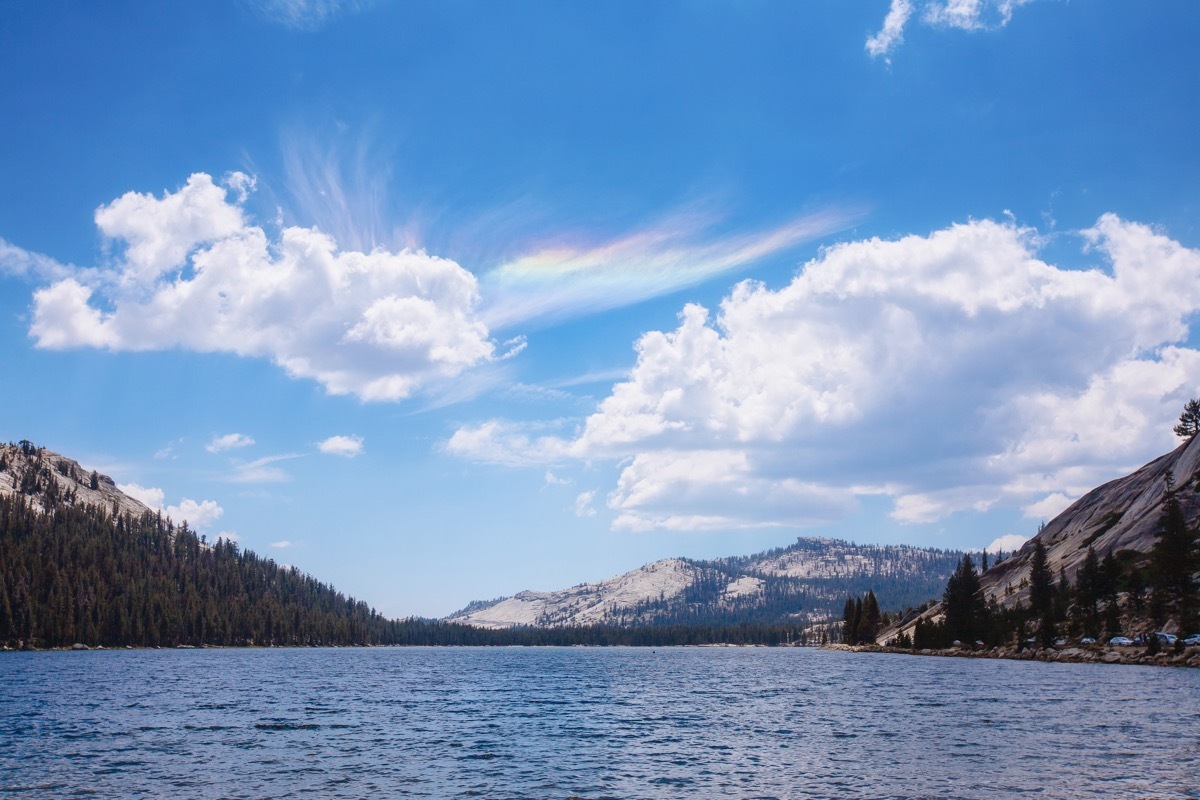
<point x="1123" y="514"/>
<point x="45" y="477"/>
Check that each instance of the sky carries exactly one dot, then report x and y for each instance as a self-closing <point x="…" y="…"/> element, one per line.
<point x="439" y="301"/>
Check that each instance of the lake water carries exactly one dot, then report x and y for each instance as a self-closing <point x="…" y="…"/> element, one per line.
<point x="590" y="723"/>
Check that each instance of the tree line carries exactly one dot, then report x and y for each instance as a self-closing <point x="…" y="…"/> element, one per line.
<point x="81" y="573"/>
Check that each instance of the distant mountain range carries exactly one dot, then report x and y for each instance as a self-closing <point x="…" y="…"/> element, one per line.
<point x="805" y="583"/>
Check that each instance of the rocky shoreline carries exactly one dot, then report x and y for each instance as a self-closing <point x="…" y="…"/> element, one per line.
<point x="1092" y="654"/>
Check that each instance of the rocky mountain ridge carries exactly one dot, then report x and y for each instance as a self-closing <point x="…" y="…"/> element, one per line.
<point x="806" y="582"/>
<point x="47" y="477"/>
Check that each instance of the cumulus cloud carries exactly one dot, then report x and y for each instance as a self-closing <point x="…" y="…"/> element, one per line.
<point x="966" y="15"/>
<point x="1009" y="543"/>
<point x="948" y="372"/>
<point x="229" y="441"/>
<point x="199" y="516"/>
<point x="345" y="446"/>
<point x="194" y="273"/>
<point x="150" y="496"/>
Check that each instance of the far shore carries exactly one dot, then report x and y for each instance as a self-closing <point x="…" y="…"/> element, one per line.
<point x="1090" y="654"/>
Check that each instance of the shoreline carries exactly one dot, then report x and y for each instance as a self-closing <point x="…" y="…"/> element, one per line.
<point x="1091" y="654"/>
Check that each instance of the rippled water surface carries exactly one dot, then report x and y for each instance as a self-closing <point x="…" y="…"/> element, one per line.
<point x="590" y="723"/>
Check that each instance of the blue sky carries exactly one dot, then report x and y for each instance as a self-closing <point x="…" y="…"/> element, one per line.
<point x="443" y="300"/>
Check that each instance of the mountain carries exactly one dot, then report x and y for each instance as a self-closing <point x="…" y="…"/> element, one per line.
<point x="45" y="477"/>
<point x="1121" y="516"/>
<point x="806" y="583"/>
<point x="81" y="562"/>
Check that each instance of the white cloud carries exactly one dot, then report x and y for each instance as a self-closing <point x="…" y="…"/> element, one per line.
<point x="966" y="15"/>
<point x="18" y="263"/>
<point x="554" y="480"/>
<point x="345" y="446"/>
<point x="195" y="274"/>
<point x="1008" y="543"/>
<point x="566" y="280"/>
<point x="1048" y="507"/>
<point x="583" y="504"/>
<point x="229" y="441"/>
<point x="305" y="15"/>
<point x="150" y="496"/>
<point x="197" y="515"/>
<point x="500" y="442"/>
<point x="949" y="372"/>
<point x="892" y="33"/>
<point x="261" y="470"/>
<point x="282" y="544"/>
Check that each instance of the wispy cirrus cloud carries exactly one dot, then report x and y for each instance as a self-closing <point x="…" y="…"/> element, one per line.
<point x="305" y="15"/>
<point x="567" y="280"/>
<point x="261" y="470"/>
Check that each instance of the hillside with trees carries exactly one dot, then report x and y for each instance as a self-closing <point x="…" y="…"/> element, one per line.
<point x="81" y="563"/>
<point x="1122" y="560"/>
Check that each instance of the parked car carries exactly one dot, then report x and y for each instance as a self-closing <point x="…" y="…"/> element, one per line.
<point x="1192" y="640"/>
<point x="1166" y="638"/>
<point x="1121" y="641"/>
<point x="1060" y="641"/>
<point x="1087" y="640"/>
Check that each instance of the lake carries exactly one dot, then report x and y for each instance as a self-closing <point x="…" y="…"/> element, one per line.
<point x="590" y="723"/>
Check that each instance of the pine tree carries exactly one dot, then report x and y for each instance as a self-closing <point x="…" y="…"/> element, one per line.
<point x="963" y="603"/>
<point x="1041" y="593"/>
<point x="1189" y="420"/>
<point x="1173" y="561"/>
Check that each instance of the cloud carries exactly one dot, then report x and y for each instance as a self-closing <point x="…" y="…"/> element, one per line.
<point x="567" y="280"/>
<point x="18" y="263"/>
<point x="554" y="480"/>
<point x="892" y="33"/>
<point x="583" y="504"/>
<point x="508" y="443"/>
<point x="229" y="441"/>
<point x="950" y="372"/>
<point x="1008" y="543"/>
<point x="197" y="515"/>
<point x="261" y="470"/>
<point x="304" y="15"/>
<point x="345" y="446"/>
<point x="194" y="273"/>
<point x="151" y="497"/>
<point x="282" y="544"/>
<point x="965" y="15"/>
